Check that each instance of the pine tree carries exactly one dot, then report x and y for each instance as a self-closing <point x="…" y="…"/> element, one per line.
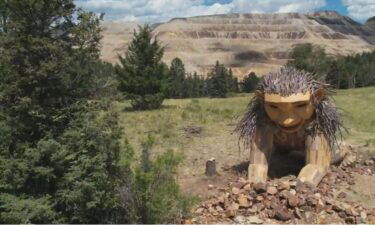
<point x="177" y="74"/>
<point x="250" y="82"/>
<point x="58" y="158"/>
<point x="142" y="76"/>
<point x="218" y="81"/>
<point x="232" y="82"/>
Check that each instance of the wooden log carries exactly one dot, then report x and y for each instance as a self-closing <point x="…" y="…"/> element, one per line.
<point x="211" y="167"/>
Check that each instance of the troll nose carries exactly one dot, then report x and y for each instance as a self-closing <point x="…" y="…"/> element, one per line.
<point x="288" y="121"/>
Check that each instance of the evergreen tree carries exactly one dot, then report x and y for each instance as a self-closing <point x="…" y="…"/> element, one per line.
<point x="177" y="73"/>
<point x="218" y="81"/>
<point x="250" y="82"/>
<point x="142" y="76"/>
<point x="232" y="82"/>
<point x="58" y="158"/>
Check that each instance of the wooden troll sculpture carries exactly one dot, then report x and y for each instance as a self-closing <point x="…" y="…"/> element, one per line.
<point x="291" y="112"/>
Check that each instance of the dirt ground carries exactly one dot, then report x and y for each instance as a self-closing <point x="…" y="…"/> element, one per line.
<point x="229" y="171"/>
<point x="345" y="195"/>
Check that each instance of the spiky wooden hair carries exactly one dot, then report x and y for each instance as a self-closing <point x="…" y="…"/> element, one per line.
<point x="285" y="82"/>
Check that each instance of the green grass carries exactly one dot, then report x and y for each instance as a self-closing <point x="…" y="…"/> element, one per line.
<point x="358" y="110"/>
<point x="218" y="117"/>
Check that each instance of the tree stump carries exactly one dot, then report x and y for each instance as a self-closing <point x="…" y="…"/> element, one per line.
<point x="211" y="167"/>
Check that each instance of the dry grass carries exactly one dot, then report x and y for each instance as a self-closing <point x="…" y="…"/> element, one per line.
<point x="201" y="128"/>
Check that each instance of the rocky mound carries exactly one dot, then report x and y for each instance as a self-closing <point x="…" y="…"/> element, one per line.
<point x="286" y="200"/>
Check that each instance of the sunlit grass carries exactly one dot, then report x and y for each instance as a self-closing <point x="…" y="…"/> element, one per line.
<point x="218" y="117"/>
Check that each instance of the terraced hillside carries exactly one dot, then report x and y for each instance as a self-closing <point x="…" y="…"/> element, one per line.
<point x="247" y="42"/>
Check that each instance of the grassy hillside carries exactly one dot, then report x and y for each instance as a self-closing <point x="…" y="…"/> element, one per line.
<point x="202" y="128"/>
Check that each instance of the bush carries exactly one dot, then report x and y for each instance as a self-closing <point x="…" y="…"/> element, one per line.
<point x="146" y="102"/>
<point x="151" y="194"/>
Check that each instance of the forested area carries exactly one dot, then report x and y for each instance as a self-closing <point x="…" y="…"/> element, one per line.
<point x="343" y="72"/>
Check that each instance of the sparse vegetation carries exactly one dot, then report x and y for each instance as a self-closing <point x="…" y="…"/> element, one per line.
<point x="151" y="194"/>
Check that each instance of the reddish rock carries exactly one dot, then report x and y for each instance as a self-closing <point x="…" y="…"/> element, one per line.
<point x="283" y="185"/>
<point x="259" y="198"/>
<point x="235" y="190"/>
<point x="293" y="201"/>
<point x="247" y="187"/>
<point x="329" y="210"/>
<point x="232" y="210"/>
<point x="267" y="203"/>
<point x="260" y="187"/>
<point x="285" y="194"/>
<point x="271" y="190"/>
<point x="324" y="188"/>
<point x="283" y="214"/>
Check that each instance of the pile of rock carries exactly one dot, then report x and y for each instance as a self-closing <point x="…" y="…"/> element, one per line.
<point x="286" y="200"/>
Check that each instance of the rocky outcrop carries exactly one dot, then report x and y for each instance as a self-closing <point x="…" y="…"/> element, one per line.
<point x="257" y="42"/>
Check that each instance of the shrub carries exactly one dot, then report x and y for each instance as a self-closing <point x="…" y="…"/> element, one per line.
<point x="151" y="194"/>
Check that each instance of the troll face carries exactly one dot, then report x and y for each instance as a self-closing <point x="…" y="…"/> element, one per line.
<point x="290" y="112"/>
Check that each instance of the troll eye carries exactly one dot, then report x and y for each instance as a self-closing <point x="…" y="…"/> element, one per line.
<point x="273" y="106"/>
<point x="302" y="105"/>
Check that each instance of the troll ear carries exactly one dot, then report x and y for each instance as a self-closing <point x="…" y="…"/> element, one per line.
<point x="319" y="94"/>
<point x="259" y="94"/>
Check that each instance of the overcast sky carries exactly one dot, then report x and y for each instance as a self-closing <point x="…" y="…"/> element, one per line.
<point x="152" y="11"/>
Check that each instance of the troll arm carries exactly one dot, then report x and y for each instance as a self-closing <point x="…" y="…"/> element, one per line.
<point x="318" y="158"/>
<point x="260" y="152"/>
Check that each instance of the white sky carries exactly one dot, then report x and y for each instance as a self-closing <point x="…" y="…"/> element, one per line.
<point x="163" y="10"/>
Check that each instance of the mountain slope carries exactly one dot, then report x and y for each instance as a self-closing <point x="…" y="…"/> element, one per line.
<point x="256" y="42"/>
